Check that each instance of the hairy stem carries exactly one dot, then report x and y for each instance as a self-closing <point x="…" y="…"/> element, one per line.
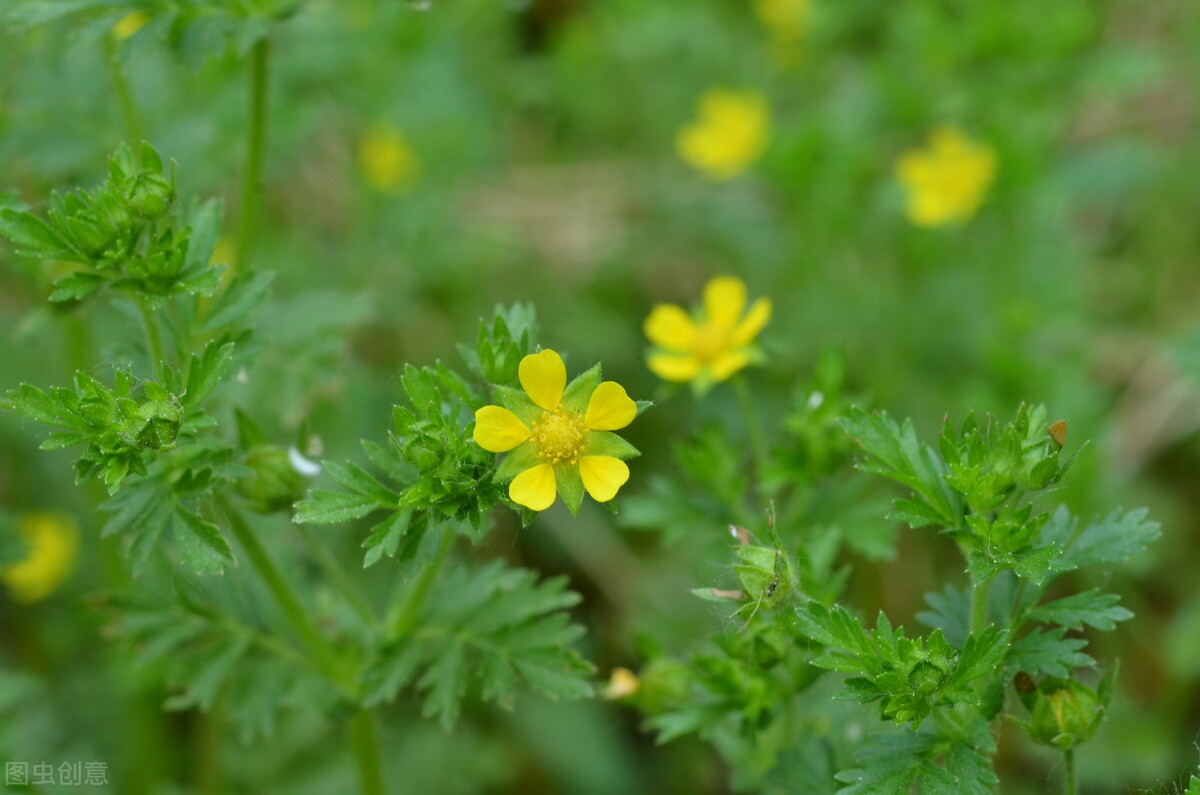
<point x="979" y="604"/>
<point x="330" y="565"/>
<point x="406" y="618"/>
<point x="320" y="650"/>
<point x="364" y="742"/>
<point x="154" y="344"/>
<point x="251" y="200"/>
<point x="758" y="442"/>
<point x="1071" y="786"/>
<point x="120" y="84"/>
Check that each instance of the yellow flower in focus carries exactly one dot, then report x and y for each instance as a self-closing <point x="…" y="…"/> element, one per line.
<point x="712" y="345"/>
<point x="53" y="544"/>
<point x="558" y="436"/>
<point x="947" y="179"/>
<point x="729" y="134"/>
<point x="129" y="24"/>
<point x="623" y="683"/>
<point x="386" y="160"/>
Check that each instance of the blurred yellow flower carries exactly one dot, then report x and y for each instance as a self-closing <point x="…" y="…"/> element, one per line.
<point x="786" y="19"/>
<point x="557" y="436"/>
<point x="129" y="24"/>
<point x="386" y="160"/>
<point x="947" y="179"/>
<point x="623" y="683"/>
<point x="711" y="346"/>
<point x="53" y="543"/>
<point x="729" y="134"/>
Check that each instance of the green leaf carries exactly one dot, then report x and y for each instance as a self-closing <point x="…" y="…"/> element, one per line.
<point x="1048" y="652"/>
<point x="243" y="294"/>
<point x="570" y="486"/>
<point x="33" y="237"/>
<point x="579" y="391"/>
<point x="523" y="456"/>
<point x="77" y="286"/>
<point x="201" y="545"/>
<point x="335" y="507"/>
<point x="353" y="477"/>
<point x="608" y="443"/>
<point x="1114" y="539"/>
<point x="385" y="537"/>
<point x="1089" y="607"/>
<point x="206" y="371"/>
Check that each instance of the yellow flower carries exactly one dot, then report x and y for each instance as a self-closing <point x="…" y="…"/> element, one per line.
<point x="729" y="135"/>
<point x="788" y="23"/>
<point x="129" y="24"/>
<point x="946" y="180"/>
<point x="714" y="344"/>
<point x="53" y="543"/>
<point x="386" y="160"/>
<point x="558" y="436"/>
<point x="623" y="683"/>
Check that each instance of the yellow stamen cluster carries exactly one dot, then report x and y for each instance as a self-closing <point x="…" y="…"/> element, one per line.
<point x="558" y="436"/>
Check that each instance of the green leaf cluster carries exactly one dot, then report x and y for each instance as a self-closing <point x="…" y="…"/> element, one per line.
<point x="484" y="629"/>
<point x="123" y="234"/>
<point x="909" y="677"/>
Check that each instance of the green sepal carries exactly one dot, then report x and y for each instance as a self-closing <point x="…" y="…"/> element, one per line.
<point x="579" y="392"/>
<point x="570" y="486"/>
<point x="608" y="443"/>
<point x="519" y="403"/>
<point x="523" y="456"/>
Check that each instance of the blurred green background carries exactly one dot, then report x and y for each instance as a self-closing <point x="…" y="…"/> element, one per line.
<point x="534" y="145"/>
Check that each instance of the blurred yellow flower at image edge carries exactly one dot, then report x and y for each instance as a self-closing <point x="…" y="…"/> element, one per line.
<point x="946" y="180"/>
<point x="558" y="437"/>
<point x="712" y="345"/>
<point x="53" y="544"/>
<point x="386" y="160"/>
<point x="729" y="134"/>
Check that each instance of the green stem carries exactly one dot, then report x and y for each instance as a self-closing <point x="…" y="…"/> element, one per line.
<point x="320" y="650"/>
<point x="1072" y="787"/>
<point x="404" y="621"/>
<point x="338" y="575"/>
<point x="364" y="742"/>
<point x="979" y="605"/>
<point x="251" y="202"/>
<point x="153" y="339"/>
<point x="758" y="442"/>
<point x="133" y="126"/>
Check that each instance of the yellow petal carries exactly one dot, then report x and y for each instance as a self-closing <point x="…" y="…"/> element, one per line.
<point x="498" y="430"/>
<point x="534" y="488"/>
<point x="727" y="364"/>
<point x="544" y="376"/>
<point x="669" y="327"/>
<point x="724" y="299"/>
<point x="610" y="408"/>
<point x="602" y="476"/>
<point x="670" y="367"/>
<point x="53" y="544"/>
<point x="756" y="318"/>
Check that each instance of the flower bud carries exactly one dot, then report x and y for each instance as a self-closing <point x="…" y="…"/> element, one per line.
<point x="159" y="424"/>
<point x="1065" y="713"/>
<point x="275" y="483"/>
<point x="150" y="195"/>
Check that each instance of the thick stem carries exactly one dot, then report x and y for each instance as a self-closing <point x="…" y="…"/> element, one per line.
<point x="979" y="605"/>
<point x="758" y="442"/>
<point x="406" y="619"/>
<point x="120" y="84"/>
<point x="1071" y="786"/>
<point x="364" y="742"/>
<point x="320" y="650"/>
<point x="251" y="201"/>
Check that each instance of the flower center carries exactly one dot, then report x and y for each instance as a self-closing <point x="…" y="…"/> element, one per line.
<point x="558" y="436"/>
<point x="712" y="340"/>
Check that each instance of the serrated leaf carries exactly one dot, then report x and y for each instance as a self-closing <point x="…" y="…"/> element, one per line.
<point x="1048" y="652"/>
<point x="207" y="370"/>
<point x="1113" y="539"/>
<point x="202" y="546"/>
<point x="243" y="294"/>
<point x="1089" y="607"/>
<point x="385" y="538"/>
<point x="334" y="507"/>
<point x="77" y="286"/>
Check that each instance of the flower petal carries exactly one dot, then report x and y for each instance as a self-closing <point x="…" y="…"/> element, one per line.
<point x="670" y="367"/>
<point x="756" y="318"/>
<point x="670" y="328"/>
<point x="544" y="376"/>
<point x="610" y="408"/>
<point x="728" y="363"/>
<point x="534" y="488"/>
<point x="603" y="476"/>
<point x="498" y="430"/>
<point x="725" y="300"/>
